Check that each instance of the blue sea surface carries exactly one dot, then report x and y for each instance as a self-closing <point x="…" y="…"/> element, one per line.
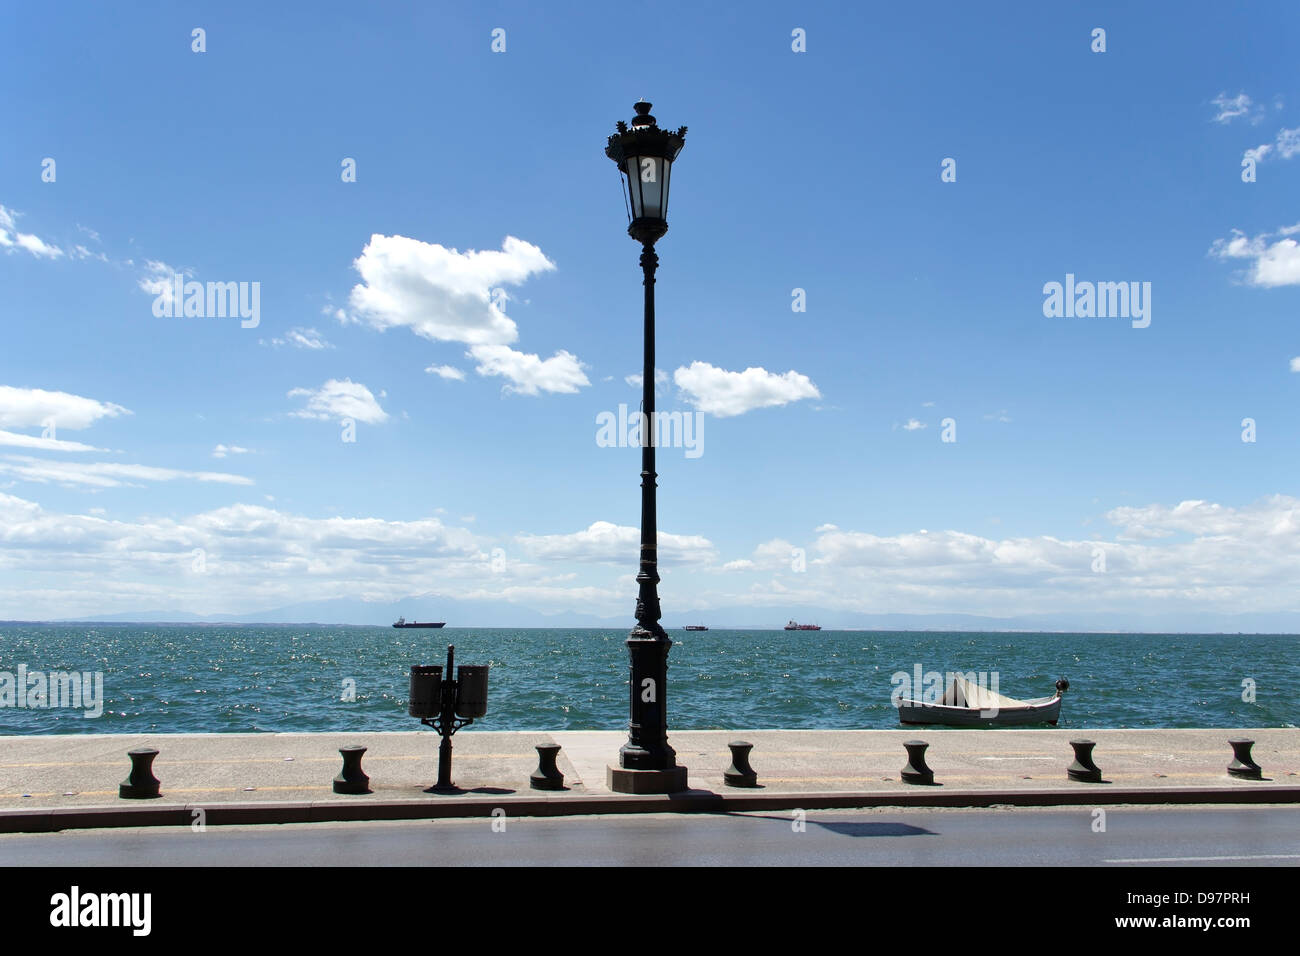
<point x="188" y="678"/>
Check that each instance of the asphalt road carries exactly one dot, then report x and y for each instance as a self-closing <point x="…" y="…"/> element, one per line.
<point x="1237" y="836"/>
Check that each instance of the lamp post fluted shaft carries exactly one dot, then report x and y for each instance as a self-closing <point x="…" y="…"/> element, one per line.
<point x="648" y="611"/>
<point x="647" y="764"/>
<point x="647" y="745"/>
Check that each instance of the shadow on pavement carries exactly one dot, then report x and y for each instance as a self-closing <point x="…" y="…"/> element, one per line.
<point x="874" y="829"/>
<point x="852" y="828"/>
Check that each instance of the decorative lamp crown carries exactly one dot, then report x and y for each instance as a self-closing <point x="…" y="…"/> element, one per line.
<point x="644" y="154"/>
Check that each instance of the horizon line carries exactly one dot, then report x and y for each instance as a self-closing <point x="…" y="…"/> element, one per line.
<point x="720" y="627"/>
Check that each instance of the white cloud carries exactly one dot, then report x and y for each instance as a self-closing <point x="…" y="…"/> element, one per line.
<point x="530" y="374"/>
<point x="441" y="294"/>
<point x="1178" y="559"/>
<point x="40" y="443"/>
<point x="1229" y="108"/>
<point x="607" y="543"/>
<point x="774" y="553"/>
<point x="447" y="371"/>
<point x="1238" y="247"/>
<point x="256" y="557"/>
<point x="303" y="338"/>
<point x="1278" y="265"/>
<point x="104" y="474"/>
<point x="158" y="281"/>
<point x="722" y="393"/>
<point x="32" y="244"/>
<point x="221" y="451"/>
<point x="445" y="295"/>
<point x="1258" y="153"/>
<point x="81" y="252"/>
<point x="1278" y="515"/>
<point x="1295" y="364"/>
<point x="11" y="239"/>
<point x="661" y="380"/>
<point x="1276" y="260"/>
<point x="1288" y="142"/>
<point x="1194" y="555"/>
<point x="1287" y="145"/>
<point x="29" y="407"/>
<point x="339" y="400"/>
<point x="914" y="425"/>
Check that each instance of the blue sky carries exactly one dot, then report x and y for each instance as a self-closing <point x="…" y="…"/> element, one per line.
<point x="816" y="170"/>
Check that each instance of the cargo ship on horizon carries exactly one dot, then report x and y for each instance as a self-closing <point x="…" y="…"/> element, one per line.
<point x="403" y="622"/>
<point x="792" y="626"/>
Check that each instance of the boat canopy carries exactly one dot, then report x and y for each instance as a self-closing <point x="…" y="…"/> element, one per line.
<point x="965" y="693"/>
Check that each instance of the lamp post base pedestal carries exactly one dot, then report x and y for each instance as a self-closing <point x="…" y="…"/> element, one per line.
<point x="622" y="780"/>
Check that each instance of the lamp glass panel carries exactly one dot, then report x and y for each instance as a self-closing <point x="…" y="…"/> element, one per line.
<point x="646" y="183"/>
<point x="663" y="205"/>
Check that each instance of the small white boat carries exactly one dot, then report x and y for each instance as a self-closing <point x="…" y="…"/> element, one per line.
<point x="967" y="704"/>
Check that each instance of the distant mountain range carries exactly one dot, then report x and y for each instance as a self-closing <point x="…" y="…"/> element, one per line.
<point x="495" y="614"/>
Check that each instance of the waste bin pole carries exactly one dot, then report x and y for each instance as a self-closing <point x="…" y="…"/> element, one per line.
<point x="447" y="719"/>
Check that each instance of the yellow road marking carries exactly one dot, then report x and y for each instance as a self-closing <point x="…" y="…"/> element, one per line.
<point x="162" y="762"/>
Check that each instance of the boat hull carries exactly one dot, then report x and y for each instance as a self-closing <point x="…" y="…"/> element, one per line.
<point x="1045" y="711"/>
<point x="433" y="624"/>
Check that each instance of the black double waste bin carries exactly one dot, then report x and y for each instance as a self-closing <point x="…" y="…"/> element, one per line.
<point x="447" y="705"/>
<point x="469" y="689"/>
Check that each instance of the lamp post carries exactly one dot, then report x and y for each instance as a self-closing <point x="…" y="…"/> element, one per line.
<point x="646" y="763"/>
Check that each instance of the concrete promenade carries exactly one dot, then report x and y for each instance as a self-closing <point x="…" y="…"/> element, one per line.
<point x="63" y="782"/>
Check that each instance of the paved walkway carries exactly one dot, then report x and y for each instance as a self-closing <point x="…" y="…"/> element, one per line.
<point x="52" y="782"/>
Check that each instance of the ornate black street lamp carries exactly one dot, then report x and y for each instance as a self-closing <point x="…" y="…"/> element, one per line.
<point x="646" y="764"/>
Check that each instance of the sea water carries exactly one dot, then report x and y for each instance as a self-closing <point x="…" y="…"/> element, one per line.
<point x="311" y="678"/>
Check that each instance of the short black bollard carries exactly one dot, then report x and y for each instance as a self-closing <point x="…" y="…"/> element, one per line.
<point x="142" y="784"/>
<point x="740" y="773"/>
<point x="547" y="776"/>
<point x="1083" y="769"/>
<point x="916" y="770"/>
<point x="1243" y="765"/>
<point x="352" y="779"/>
